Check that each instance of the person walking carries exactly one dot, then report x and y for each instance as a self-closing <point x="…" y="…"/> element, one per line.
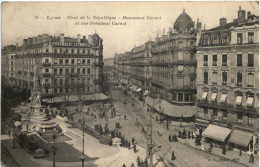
<point x="240" y="153"/>
<point x="132" y="165"/>
<point x="133" y="141"/>
<point x="145" y="163"/>
<point x="138" y="161"/>
<point x="224" y="150"/>
<point x="173" y="156"/>
<point x="135" y="148"/>
<point x="251" y="159"/>
<point x="123" y="165"/>
<point x="170" y="138"/>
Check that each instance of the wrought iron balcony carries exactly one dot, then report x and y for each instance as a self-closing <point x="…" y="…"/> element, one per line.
<point x="232" y="107"/>
<point x="45" y="64"/>
<point x="99" y="64"/>
<point x="46" y="74"/>
<point x="46" y="85"/>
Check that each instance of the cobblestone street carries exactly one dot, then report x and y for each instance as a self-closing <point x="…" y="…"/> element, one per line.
<point x="187" y="154"/>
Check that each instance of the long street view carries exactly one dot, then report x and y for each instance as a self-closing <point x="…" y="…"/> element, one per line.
<point x="189" y="97"/>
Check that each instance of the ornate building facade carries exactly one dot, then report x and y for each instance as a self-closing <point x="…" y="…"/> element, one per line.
<point x="228" y="74"/>
<point x="166" y="67"/>
<point x="133" y="68"/>
<point x="57" y="65"/>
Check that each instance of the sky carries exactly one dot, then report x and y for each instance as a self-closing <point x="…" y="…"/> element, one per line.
<point x="19" y="20"/>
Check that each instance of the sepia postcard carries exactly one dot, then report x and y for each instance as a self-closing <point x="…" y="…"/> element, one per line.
<point x="130" y="84"/>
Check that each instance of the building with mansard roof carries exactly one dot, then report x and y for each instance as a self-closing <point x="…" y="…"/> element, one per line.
<point x="228" y="77"/>
<point x="166" y="68"/>
<point x="55" y="66"/>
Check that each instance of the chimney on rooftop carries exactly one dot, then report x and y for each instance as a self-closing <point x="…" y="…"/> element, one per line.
<point x="78" y="38"/>
<point x="222" y="21"/>
<point x="62" y="37"/>
<point x="241" y="15"/>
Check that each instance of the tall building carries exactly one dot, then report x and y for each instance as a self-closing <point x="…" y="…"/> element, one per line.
<point x="133" y="68"/>
<point x="228" y="76"/>
<point x="166" y="68"/>
<point x="7" y="51"/>
<point x="57" y="65"/>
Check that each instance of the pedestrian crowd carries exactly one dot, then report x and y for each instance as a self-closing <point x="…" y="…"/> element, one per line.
<point x="118" y="125"/>
<point x="141" y="163"/>
<point x="101" y="130"/>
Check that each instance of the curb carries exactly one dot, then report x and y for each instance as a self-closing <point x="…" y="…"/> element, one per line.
<point x="225" y="158"/>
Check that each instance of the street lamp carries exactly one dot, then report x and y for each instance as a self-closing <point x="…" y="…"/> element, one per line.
<point x="83" y="156"/>
<point x="54" y="149"/>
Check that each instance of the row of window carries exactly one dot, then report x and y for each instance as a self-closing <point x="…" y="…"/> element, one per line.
<point x="72" y="61"/>
<point x="250" y="37"/>
<point x="224" y="39"/>
<point x="239" y="98"/>
<point x="215" y="113"/>
<point x="250" y="78"/>
<point x="76" y="51"/>
<point x="67" y="71"/>
<point x="182" y="97"/>
<point x="224" y="60"/>
<point x="67" y="90"/>
<point x="66" y="80"/>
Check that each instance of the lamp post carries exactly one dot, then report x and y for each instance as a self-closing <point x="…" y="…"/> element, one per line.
<point x="54" y="149"/>
<point x="83" y="157"/>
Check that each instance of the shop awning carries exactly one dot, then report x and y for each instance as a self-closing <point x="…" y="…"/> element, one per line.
<point x="204" y="95"/>
<point x="150" y="101"/>
<point x="213" y="97"/>
<point x="57" y="99"/>
<point x="138" y="90"/>
<point x="100" y="96"/>
<point x="87" y="97"/>
<point x="45" y="100"/>
<point x="172" y="110"/>
<point x="223" y="98"/>
<point x="239" y="100"/>
<point x="74" y="98"/>
<point x="249" y="101"/>
<point x="216" y="133"/>
<point x="240" y="138"/>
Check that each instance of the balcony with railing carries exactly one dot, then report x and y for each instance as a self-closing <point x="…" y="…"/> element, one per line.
<point x="46" y="74"/>
<point x="224" y="106"/>
<point x="46" y="85"/>
<point x="98" y="64"/>
<point x="46" y="64"/>
<point x="159" y="63"/>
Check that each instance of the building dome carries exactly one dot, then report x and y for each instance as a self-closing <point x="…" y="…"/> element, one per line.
<point x="183" y="22"/>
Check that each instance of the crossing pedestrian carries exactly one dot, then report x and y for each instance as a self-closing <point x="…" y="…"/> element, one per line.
<point x="133" y="141"/>
<point x="170" y="138"/>
<point x="224" y="150"/>
<point x="138" y="161"/>
<point x="135" y="148"/>
<point x="145" y="162"/>
<point x="173" y="156"/>
<point x="179" y="134"/>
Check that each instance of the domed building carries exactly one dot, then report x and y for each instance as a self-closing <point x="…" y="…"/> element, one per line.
<point x="174" y="70"/>
<point x="183" y="22"/>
